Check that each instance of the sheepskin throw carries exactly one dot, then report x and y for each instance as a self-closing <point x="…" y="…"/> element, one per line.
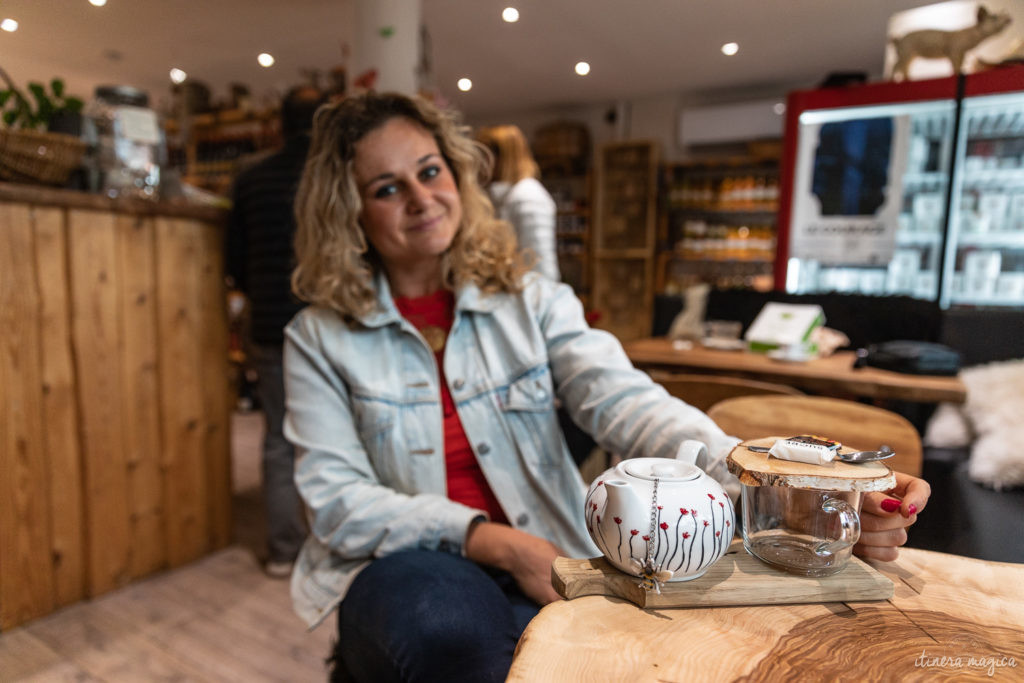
<point x="990" y="421"/>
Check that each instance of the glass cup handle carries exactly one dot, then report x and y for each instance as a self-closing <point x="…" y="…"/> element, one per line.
<point x="849" y="526"/>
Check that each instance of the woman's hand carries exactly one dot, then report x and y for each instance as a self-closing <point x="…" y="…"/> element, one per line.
<point x="884" y="517"/>
<point x="526" y="557"/>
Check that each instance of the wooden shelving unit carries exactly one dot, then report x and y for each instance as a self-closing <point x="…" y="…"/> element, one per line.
<point x="624" y="237"/>
<point x="717" y="225"/>
<point x="209" y="149"/>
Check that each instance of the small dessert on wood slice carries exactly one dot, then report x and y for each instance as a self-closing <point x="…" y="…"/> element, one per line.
<point x="761" y="469"/>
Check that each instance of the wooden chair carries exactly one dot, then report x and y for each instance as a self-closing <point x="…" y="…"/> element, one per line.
<point x="704" y="391"/>
<point x="853" y="424"/>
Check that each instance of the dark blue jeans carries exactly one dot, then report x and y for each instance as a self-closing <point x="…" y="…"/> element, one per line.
<point x="422" y="615"/>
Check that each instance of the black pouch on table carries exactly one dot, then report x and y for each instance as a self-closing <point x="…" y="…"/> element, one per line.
<point x="911" y="357"/>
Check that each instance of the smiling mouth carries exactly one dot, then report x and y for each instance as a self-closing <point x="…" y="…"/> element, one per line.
<point x="427" y="224"/>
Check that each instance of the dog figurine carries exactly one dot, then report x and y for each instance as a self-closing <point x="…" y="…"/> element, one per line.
<point x="951" y="45"/>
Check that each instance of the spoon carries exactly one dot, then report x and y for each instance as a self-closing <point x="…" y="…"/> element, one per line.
<point x="882" y="453"/>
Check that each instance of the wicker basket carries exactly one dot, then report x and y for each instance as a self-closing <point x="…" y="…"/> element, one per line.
<point x="38" y="157"/>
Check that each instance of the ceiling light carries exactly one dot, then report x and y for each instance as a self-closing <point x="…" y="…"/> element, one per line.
<point x="582" y="68"/>
<point x="510" y="14"/>
<point x="9" y="25"/>
<point x="465" y="85"/>
<point x="730" y="49"/>
<point x="779" y="108"/>
<point x="178" y="76"/>
<point x="265" y="59"/>
<point x="97" y="3"/>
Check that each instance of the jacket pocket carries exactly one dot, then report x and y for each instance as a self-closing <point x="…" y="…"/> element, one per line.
<point x="529" y="409"/>
<point x="375" y="424"/>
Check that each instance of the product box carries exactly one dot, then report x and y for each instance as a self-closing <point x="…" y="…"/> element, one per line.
<point x="780" y="326"/>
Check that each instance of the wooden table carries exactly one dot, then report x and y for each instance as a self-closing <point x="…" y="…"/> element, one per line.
<point x="833" y="376"/>
<point x="943" y="606"/>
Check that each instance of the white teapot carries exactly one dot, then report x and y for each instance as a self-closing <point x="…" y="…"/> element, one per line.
<point x="659" y="518"/>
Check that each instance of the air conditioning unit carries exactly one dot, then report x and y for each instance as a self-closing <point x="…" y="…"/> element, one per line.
<point x="720" y="124"/>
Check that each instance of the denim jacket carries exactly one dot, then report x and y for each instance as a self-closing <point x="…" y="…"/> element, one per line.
<point x="364" y="413"/>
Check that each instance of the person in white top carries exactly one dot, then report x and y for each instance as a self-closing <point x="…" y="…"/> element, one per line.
<point x="520" y="199"/>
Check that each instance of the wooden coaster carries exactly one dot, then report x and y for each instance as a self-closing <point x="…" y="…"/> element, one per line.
<point x="760" y="469"/>
<point x="737" y="579"/>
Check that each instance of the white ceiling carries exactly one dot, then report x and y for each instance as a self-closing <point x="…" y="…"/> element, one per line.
<point x="636" y="48"/>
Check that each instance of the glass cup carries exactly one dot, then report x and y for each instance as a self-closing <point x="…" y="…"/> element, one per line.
<point x="809" y="532"/>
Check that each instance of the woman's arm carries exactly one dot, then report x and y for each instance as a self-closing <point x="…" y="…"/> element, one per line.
<point x="619" y="406"/>
<point x="532" y="212"/>
<point x="352" y="512"/>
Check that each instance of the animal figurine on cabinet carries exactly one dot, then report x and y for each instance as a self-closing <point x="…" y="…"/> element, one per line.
<point x="951" y="45"/>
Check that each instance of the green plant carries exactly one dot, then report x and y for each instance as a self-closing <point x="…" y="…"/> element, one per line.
<point x="21" y="112"/>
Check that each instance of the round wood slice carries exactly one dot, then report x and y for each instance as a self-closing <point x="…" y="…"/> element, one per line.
<point x="761" y="469"/>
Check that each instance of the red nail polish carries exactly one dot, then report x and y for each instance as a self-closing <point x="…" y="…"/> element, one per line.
<point x="890" y="505"/>
<point x="911" y="509"/>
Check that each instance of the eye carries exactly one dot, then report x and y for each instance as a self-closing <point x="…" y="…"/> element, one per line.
<point x="430" y="172"/>
<point x="385" y="191"/>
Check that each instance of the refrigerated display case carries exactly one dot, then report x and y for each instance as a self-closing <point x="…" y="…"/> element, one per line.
<point x="985" y="249"/>
<point x="912" y="188"/>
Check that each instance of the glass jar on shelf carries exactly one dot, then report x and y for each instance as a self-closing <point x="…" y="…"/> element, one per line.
<point x="127" y="146"/>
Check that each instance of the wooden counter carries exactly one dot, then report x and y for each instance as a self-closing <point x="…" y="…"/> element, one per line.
<point x="114" y="394"/>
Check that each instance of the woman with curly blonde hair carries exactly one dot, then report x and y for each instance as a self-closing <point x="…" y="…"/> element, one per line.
<point x="335" y="262"/>
<point x="422" y="385"/>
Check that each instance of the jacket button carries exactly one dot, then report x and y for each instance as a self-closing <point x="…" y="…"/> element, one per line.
<point x="522" y="519"/>
<point x="483" y="449"/>
<point x="458" y="384"/>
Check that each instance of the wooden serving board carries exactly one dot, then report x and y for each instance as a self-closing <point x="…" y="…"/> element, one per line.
<point x="737" y="579"/>
<point x="760" y="469"/>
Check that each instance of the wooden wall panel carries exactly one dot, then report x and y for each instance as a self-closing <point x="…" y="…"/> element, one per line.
<point x="216" y="375"/>
<point x="140" y="409"/>
<point x="179" y="243"/>
<point x="60" y="407"/>
<point x="26" y="569"/>
<point x="95" y="283"/>
<point x="114" y="395"/>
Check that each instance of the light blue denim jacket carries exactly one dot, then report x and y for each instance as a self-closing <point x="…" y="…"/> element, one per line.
<point x="364" y="412"/>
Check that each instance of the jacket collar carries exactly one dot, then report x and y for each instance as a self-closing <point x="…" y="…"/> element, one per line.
<point x="468" y="298"/>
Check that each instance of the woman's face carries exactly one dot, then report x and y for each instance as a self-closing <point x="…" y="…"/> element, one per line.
<point x="411" y="204"/>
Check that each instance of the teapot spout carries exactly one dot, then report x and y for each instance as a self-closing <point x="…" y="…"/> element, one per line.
<point x="621" y="498"/>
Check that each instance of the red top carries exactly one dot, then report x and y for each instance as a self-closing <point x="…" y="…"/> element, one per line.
<point x="466" y="482"/>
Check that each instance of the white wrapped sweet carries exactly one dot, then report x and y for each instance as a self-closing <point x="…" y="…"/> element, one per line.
<point x="813" y="450"/>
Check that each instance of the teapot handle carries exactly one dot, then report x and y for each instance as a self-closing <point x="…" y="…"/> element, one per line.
<point x="691" y="450"/>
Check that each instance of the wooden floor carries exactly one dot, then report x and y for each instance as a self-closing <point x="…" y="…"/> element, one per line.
<point x="218" y="619"/>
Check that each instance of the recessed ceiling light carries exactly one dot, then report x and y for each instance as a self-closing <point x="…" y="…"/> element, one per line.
<point x="510" y="14"/>
<point x="465" y="85"/>
<point x="730" y="49"/>
<point x="582" y="68"/>
<point x="178" y="76"/>
<point x="9" y="25"/>
<point x="779" y="108"/>
<point x="97" y="3"/>
<point x="265" y="59"/>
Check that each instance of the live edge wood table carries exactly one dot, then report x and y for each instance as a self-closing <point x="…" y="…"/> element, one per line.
<point x="114" y="394"/>
<point x="831" y="376"/>
<point x="949" y="618"/>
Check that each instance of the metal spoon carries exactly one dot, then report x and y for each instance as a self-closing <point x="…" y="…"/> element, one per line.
<point x="882" y="453"/>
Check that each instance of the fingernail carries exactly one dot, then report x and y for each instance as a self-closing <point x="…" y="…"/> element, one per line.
<point x="890" y="505"/>
<point x="911" y="509"/>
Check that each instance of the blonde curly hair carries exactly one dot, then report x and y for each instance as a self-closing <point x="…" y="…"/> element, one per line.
<point x="335" y="264"/>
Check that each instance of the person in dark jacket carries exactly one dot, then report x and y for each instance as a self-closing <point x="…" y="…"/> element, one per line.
<point x="260" y="260"/>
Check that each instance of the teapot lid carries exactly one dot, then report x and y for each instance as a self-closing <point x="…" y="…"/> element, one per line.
<point x="662" y="469"/>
